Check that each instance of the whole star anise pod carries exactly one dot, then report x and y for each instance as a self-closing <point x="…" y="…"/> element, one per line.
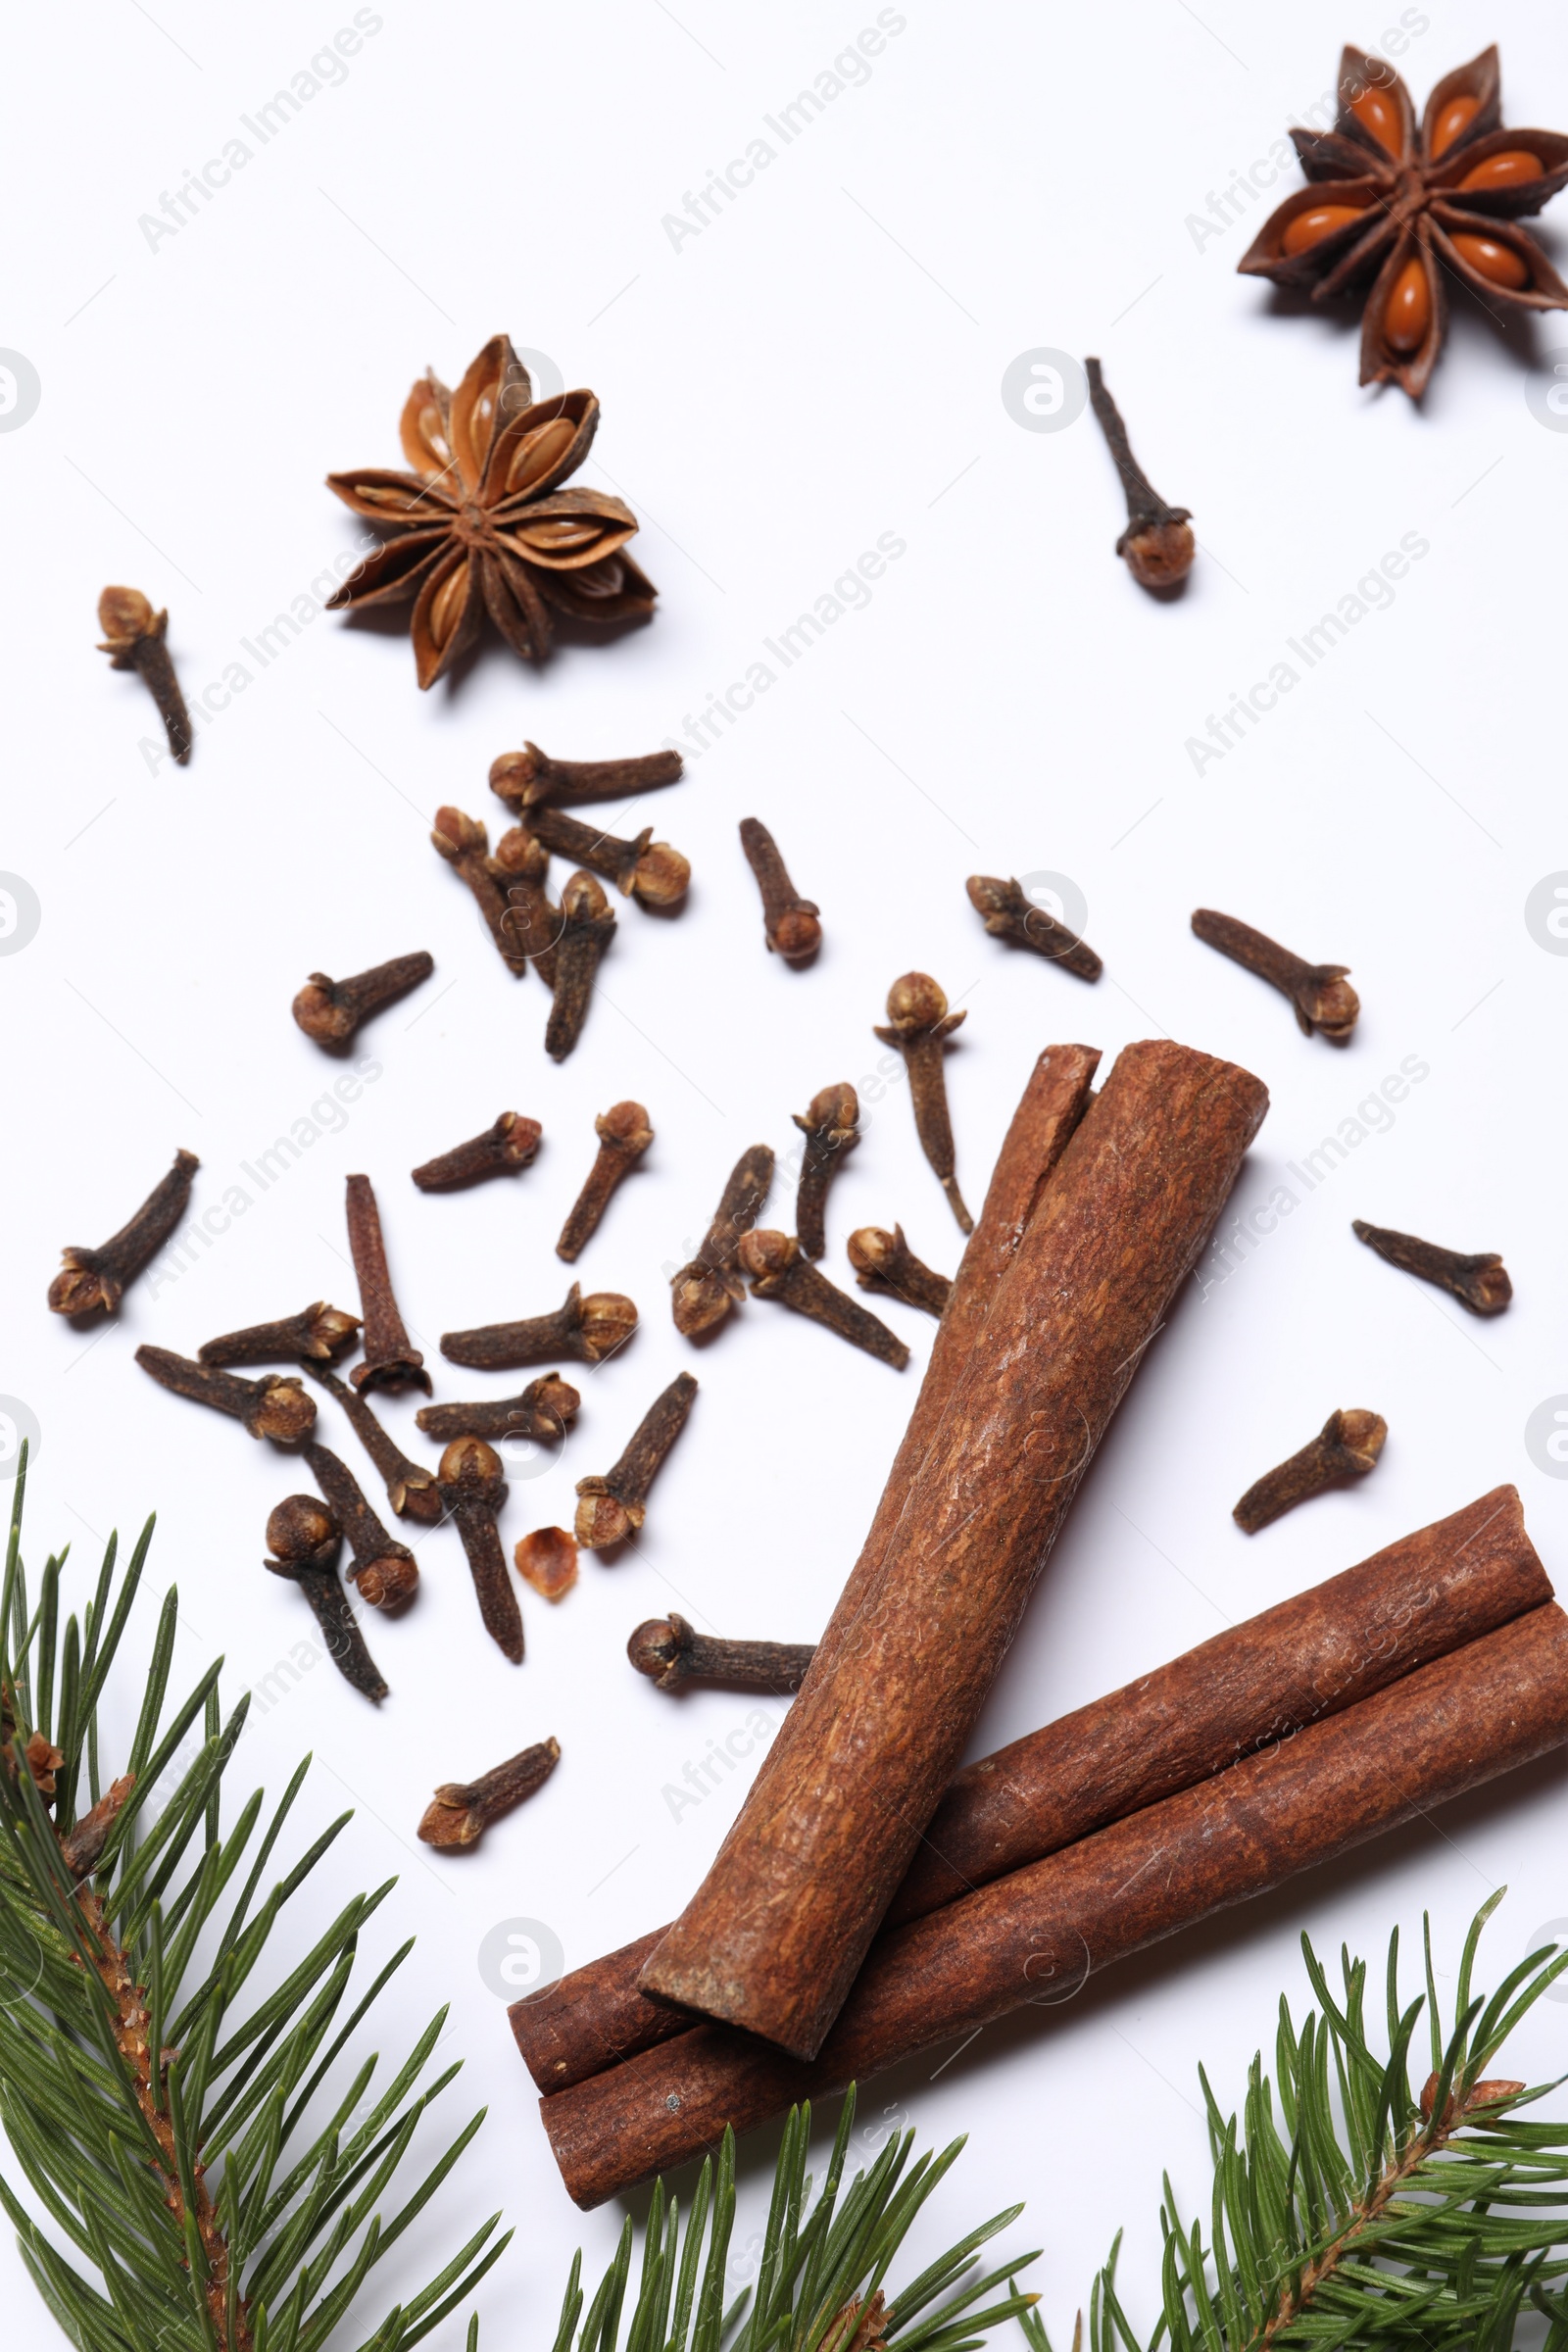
<point x="483" y="525"/>
<point x="1409" y="205"/>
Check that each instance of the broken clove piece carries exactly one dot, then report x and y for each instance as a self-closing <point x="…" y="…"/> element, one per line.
<point x="790" y="922"/>
<point x="385" y="1571"/>
<point x="647" y="870"/>
<point x="1479" y="1283"/>
<point x="778" y="1272"/>
<point x="474" y="1492"/>
<point x="524" y="778"/>
<point x="613" y="1507"/>
<point x="545" y="1409"/>
<point x="884" y="1261"/>
<point x="511" y="1145"/>
<point x="273" y="1407"/>
<point x="330" y="1011"/>
<point x="137" y="640"/>
<point x="532" y="920"/>
<point x="409" y="1489"/>
<point x="93" y="1281"/>
<point x="547" y="1559"/>
<point x="830" y="1124"/>
<point x="465" y="846"/>
<point x="1347" y="1445"/>
<point x="671" y="1652"/>
<point x="1323" y="999"/>
<point x="391" y="1360"/>
<point x="625" y="1135"/>
<point x="587" y="927"/>
<point x="1008" y="913"/>
<point x="1157" y="546"/>
<point x="707" y="1287"/>
<point x="463" y="1810"/>
<point x="316" y="1335"/>
<point x="585" y="1329"/>
<point x="305" y="1540"/>
<point x="919" y="1024"/>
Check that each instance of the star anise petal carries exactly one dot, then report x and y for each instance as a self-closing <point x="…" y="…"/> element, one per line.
<point x="425" y="427"/>
<point x="1524" y="196"/>
<point x="575" y="528"/>
<point x="541" y="447"/>
<point x="1325" y="155"/>
<point x="392" y="574"/>
<point x="515" y="606"/>
<point x="1543" y="291"/>
<point x="601" y="594"/>
<point x="1381" y="364"/>
<point x="1266" y="256"/>
<point x="1368" y="85"/>
<point x="397" y="502"/>
<point x="1482" y="80"/>
<point x="446" y="615"/>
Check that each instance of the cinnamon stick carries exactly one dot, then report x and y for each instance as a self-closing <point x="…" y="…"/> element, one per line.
<point x="1426" y="1595"/>
<point x="1041" y="1933"/>
<point x="776" y="1932"/>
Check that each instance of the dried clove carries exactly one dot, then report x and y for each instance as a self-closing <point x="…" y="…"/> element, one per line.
<point x="532" y="919"/>
<point x="524" y="778"/>
<point x="707" y="1287"/>
<point x="587" y="927"/>
<point x="511" y="1145"/>
<point x="137" y="640"/>
<point x="385" y="1571"/>
<point x="391" y="1361"/>
<point x="410" y="1489"/>
<point x="647" y="870"/>
<point x="790" y="922"/>
<point x="316" y="1335"/>
<point x="273" y="1407"/>
<point x="830" y="1125"/>
<point x="306" y="1539"/>
<point x="1479" y="1283"/>
<point x="613" y="1507"/>
<point x="1157" y="546"/>
<point x="547" y="1559"/>
<point x="588" y="1330"/>
<point x="93" y="1281"/>
<point x="625" y="1135"/>
<point x="919" y="1023"/>
<point x="465" y="846"/>
<point x="330" y="1011"/>
<point x="474" y="1492"/>
<point x="1347" y="1445"/>
<point x="671" y="1652"/>
<point x="1323" y="1000"/>
<point x="545" y="1409"/>
<point x="778" y="1272"/>
<point x="884" y="1261"/>
<point x="1008" y="913"/>
<point x="463" y="1810"/>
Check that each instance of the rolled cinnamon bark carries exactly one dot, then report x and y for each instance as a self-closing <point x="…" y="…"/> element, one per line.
<point x="1040" y="1933"/>
<point x="1417" y="1599"/>
<point x="774" y="1935"/>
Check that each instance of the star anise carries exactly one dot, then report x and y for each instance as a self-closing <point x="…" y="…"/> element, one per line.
<point x="1409" y="205"/>
<point x="483" y="525"/>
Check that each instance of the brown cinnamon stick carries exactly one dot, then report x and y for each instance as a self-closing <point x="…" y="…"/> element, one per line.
<point x="1426" y="1595"/>
<point x="777" y="1931"/>
<point x="1040" y="1933"/>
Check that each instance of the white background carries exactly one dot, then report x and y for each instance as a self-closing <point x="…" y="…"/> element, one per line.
<point x="820" y="366"/>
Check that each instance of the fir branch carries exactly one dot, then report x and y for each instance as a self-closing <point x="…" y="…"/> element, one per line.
<point x="159" y="2125"/>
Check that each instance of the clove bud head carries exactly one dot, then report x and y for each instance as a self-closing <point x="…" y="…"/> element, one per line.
<point x="515" y="776"/>
<point x="547" y="1559"/>
<point x="125" y="617"/>
<point x="1325" y="1000"/>
<point x="388" y="1583"/>
<point x="655" y="1645"/>
<point x="603" y="1518"/>
<point x="467" y="1462"/>
<point x="320" y="1014"/>
<point x="457" y="836"/>
<point x="915" y="1003"/>
<point x="661" y="876"/>
<point x="582" y="901"/>
<point x="767" y="1257"/>
<point x="302" y="1532"/>
<point x="797" y="933"/>
<point x="607" y="1322"/>
<point x="1159" y="554"/>
<point x="79" y="1289"/>
<point x="521" y="856"/>
<point x="285" y="1413"/>
<point x="872" y="1248"/>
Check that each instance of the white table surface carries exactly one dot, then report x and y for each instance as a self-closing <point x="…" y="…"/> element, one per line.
<point x="816" y="368"/>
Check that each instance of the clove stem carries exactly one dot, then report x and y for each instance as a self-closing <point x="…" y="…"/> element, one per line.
<point x="614" y="1506"/>
<point x="524" y="778"/>
<point x="1158" y="545"/>
<point x="461" y="1811"/>
<point x="671" y="1652"/>
<point x="91" y="1281"/>
<point x="137" y="640"/>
